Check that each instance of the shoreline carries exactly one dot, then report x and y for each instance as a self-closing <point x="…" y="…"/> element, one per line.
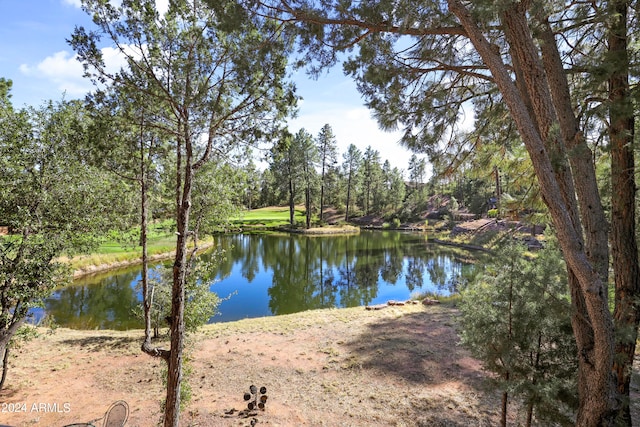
<point x="95" y="269"/>
<point x="101" y="268"/>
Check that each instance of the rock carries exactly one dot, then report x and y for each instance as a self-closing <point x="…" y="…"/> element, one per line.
<point x="429" y="301"/>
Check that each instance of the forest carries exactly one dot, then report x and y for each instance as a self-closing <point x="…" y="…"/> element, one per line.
<point x="179" y="134"/>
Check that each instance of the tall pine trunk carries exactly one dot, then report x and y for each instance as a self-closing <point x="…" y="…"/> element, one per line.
<point x="292" y="206"/>
<point x="624" y="248"/>
<point x="346" y="210"/>
<point x="184" y="178"/>
<point x="322" y="192"/>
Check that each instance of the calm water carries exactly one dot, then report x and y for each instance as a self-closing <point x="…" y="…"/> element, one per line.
<point x="267" y="275"/>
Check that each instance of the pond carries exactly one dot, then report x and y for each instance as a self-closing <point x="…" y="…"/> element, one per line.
<point x="266" y="274"/>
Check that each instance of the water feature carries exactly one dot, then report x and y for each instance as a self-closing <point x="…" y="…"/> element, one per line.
<point x="267" y="274"/>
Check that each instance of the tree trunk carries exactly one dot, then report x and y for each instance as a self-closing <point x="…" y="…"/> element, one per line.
<point x="322" y="193"/>
<point x="498" y="189"/>
<point x="7" y="331"/>
<point x="183" y="209"/>
<point x="504" y="406"/>
<point x="147" y="294"/>
<point x="594" y="329"/>
<point x="147" y="299"/>
<point x="5" y="366"/>
<point x="174" y="374"/>
<point x="346" y="212"/>
<point x="292" y="206"/>
<point x="307" y="198"/>
<point x="624" y="247"/>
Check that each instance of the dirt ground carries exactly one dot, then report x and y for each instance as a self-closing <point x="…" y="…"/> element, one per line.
<point x="399" y="366"/>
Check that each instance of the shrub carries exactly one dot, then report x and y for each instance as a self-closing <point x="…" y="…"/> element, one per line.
<point x="515" y="320"/>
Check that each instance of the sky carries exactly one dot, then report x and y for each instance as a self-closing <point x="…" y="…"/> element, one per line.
<point x="34" y="54"/>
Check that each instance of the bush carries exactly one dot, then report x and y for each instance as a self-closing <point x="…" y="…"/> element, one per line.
<point x="492" y="213"/>
<point x="515" y="320"/>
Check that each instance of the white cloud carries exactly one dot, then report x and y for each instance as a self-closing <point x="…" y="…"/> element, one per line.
<point x="75" y="3"/>
<point x="161" y="5"/>
<point x="65" y="72"/>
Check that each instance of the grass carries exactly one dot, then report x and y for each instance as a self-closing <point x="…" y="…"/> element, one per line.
<point x="112" y="252"/>
<point x="274" y="216"/>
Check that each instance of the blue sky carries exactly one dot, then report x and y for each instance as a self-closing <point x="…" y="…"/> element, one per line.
<point x="35" y="55"/>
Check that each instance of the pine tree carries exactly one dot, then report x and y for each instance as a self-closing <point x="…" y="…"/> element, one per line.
<point x="514" y="320"/>
<point x="328" y="153"/>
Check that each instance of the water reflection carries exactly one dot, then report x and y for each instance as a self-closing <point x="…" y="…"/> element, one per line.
<point x="279" y="274"/>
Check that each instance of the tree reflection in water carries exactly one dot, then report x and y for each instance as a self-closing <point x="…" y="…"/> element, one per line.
<point x="278" y="274"/>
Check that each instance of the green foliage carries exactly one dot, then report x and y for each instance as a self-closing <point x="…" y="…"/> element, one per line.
<point x="372" y="190"/>
<point x="217" y="194"/>
<point x="515" y="319"/>
<point x="25" y="334"/>
<point x="292" y="165"/>
<point x="328" y="158"/>
<point x="200" y="303"/>
<point x="352" y="161"/>
<point x="492" y="213"/>
<point x="52" y="201"/>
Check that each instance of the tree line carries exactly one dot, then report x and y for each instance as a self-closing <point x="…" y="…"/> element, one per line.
<point x="308" y="170"/>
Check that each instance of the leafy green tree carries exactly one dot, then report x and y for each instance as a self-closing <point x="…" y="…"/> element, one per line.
<point x="192" y="65"/>
<point x="284" y="168"/>
<point x="394" y="187"/>
<point x="269" y="194"/>
<point x="328" y="153"/>
<point x="123" y="142"/>
<point x="513" y="318"/>
<point x="293" y="164"/>
<point x="52" y="202"/>
<point x="371" y="181"/>
<point x="417" y="172"/>
<point x="352" y="161"/>
<point x="252" y="183"/>
<point x="217" y="196"/>
<point x="308" y="151"/>
<point x="200" y="303"/>
<point x="334" y="188"/>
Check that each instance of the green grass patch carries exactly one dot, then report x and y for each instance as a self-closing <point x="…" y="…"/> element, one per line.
<point x="112" y="252"/>
<point x="273" y="216"/>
